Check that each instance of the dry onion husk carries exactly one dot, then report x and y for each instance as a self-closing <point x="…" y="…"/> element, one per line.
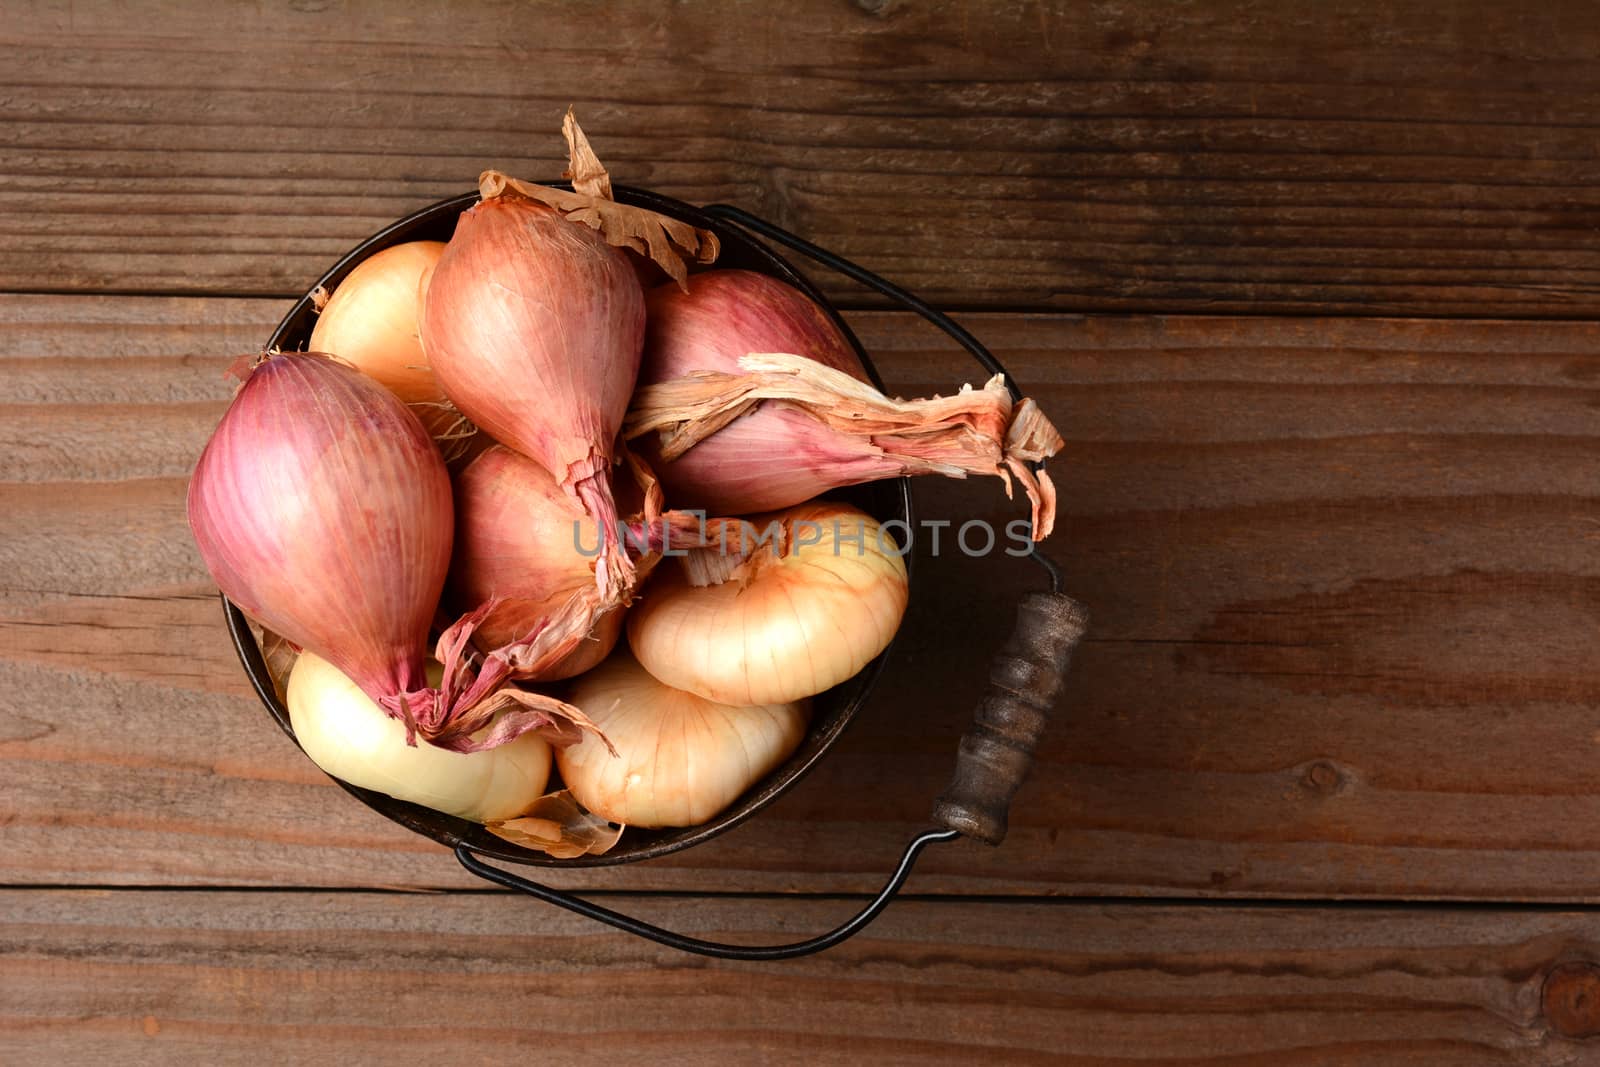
<point x="975" y="431"/>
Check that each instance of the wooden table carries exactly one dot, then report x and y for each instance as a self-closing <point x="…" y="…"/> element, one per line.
<point x="1311" y="289"/>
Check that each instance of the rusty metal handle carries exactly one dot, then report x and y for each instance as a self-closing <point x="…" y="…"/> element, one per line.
<point x="1025" y="680"/>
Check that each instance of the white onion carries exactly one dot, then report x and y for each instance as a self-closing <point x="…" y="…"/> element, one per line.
<point x="351" y="738"/>
<point x="681" y="759"/>
<point x="784" y="626"/>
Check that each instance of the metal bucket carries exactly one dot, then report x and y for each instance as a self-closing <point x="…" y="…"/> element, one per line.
<point x="990" y="774"/>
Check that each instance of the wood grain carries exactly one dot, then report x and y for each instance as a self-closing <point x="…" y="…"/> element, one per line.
<point x="1354" y="156"/>
<point x="1342" y="575"/>
<point x="219" y="977"/>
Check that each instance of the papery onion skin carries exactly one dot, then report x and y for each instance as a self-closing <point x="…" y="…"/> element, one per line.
<point x="351" y="738"/>
<point x="534" y="327"/>
<point x="518" y="538"/>
<point x="323" y="510"/>
<point x="681" y="759"/>
<point x="772" y="457"/>
<point x="596" y="647"/>
<point x="791" y="626"/>
<point x="371" y="320"/>
<point x="747" y="402"/>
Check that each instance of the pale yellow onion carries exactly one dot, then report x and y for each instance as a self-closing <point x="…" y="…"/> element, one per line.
<point x="351" y="738"/>
<point x="680" y="759"/>
<point x="784" y="626"/>
<point x="371" y="320"/>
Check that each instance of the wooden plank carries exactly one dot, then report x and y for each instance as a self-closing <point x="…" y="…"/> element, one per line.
<point x="1217" y="156"/>
<point x="218" y="977"/>
<point x="1342" y="576"/>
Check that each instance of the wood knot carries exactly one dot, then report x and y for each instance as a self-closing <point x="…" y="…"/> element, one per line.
<point x="1571" y="999"/>
<point x="1225" y="878"/>
<point x="1322" y="777"/>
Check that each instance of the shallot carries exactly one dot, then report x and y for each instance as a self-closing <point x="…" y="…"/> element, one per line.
<point x="523" y="546"/>
<point x="525" y="554"/>
<point x="533" y="322"/>
<point x="759" y="403"/>
<point x="323" y="510"/>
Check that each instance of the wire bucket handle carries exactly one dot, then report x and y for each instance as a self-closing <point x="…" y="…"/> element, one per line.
<point x="1026" y="678"/>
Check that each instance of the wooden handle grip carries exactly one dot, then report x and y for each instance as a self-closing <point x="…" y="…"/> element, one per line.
<point x="1025" y="680"/>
